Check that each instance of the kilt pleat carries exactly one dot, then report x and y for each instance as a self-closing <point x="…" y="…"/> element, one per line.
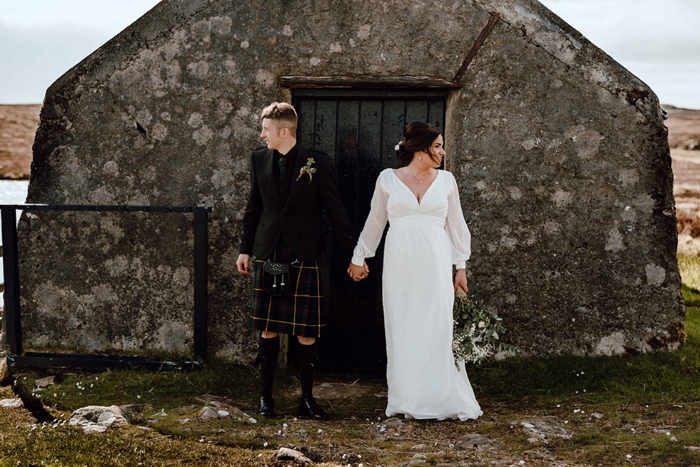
<point x="299" y="312"/>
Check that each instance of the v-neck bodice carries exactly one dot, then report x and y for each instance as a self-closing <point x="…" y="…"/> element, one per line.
<point x="409" y="188"/>
<point x="401" y="201"/>
<point x="395" y="203"/>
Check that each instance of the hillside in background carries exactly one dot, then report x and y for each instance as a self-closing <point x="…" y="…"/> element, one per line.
<point x="683" y="128"/>
<point x="18" y="123"/>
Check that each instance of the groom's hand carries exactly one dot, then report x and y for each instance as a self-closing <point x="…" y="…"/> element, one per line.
<point x="357" y="273"/>
<point x="243" y="264"/>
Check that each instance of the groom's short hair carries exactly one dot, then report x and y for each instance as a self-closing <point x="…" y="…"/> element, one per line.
<point x="284" y="114"/>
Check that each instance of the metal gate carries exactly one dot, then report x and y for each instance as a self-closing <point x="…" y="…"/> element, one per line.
<point x="359" y="129"/>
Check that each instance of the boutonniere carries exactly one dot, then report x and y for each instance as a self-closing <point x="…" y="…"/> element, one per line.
<point x="307" y="169"/>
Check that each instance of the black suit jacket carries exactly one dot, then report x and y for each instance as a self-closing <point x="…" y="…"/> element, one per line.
<point x="299" y="219"/>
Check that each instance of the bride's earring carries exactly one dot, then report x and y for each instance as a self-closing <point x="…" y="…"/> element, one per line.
<point x="420" y="158"/>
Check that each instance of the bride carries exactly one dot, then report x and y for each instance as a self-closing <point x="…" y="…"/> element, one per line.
<point x="427" y="235"/>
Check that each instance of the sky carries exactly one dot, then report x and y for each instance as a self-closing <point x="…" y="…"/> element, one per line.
<point x="657" y="40"/>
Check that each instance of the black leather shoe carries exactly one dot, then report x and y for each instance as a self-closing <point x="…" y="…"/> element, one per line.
<point x="309" y="408"/>
<point x="267" y="407"/>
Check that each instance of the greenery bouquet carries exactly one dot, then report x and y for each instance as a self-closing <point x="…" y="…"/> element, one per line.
<point x="477" y="331"/>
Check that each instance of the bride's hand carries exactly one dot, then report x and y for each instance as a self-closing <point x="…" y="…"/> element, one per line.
<point x="461" y="280"/>
<point x="357" y="273"/>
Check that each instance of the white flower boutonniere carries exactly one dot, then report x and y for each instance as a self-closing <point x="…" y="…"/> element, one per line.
<point x="307" y="169"/>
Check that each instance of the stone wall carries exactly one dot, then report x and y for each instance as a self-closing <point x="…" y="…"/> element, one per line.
<point x="560" y="153"/>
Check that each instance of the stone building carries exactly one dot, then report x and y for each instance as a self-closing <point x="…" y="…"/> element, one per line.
<point x="560" y="153"/>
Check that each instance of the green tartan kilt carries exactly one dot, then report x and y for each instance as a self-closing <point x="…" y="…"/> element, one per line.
<point x="299" y="312"/>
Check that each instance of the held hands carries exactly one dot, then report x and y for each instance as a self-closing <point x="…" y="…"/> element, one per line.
<point x="357" y="273"/>
<point x="461" y="282"/>
<point x="243" y="264"/>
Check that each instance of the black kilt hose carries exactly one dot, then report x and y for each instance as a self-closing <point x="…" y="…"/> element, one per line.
<point x="299" y="312"/>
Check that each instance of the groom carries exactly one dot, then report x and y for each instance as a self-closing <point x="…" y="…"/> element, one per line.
<point x="291" y="186"/>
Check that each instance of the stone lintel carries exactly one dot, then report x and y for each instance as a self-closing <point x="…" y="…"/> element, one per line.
<point x="366" y="82"/>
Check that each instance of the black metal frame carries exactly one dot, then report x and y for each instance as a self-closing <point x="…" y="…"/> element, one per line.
<point x="18" y="358"/>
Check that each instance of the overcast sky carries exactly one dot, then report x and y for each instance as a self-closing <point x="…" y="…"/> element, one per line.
<point x="657" y="40"/>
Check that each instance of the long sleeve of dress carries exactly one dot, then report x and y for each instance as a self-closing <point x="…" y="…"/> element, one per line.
<point x="457" y="229"/>
<point x="374" y="227"/>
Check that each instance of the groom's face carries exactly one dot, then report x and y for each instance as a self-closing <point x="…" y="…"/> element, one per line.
<point x="272" y="133"/>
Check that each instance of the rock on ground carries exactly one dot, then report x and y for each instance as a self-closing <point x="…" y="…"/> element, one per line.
<point x="130" y="411"/>
<point x="98" y="419"/>
<point x="391" y="428"/>
<point x="290" y="454"/>
<point x="543" y="428"/>
<point x="11" y="403"/>
<point x="45" y="382"/>
<point x="4" y="371"/>
<point x="473" y="440"/>
<point x="219" y="407"/>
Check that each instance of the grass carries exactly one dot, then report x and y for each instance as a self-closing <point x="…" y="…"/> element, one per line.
<point x="689" y="266"/>
<point x="641" y="398"/>
<point x="647" y="407"/>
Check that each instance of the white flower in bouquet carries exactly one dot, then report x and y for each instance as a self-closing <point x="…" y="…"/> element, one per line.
<point x="476" y="332"/>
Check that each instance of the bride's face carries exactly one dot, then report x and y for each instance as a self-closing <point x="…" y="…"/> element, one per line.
<point x="437" y="152"/>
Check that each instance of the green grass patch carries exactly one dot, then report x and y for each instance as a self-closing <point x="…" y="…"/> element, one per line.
<point x="691" y="296"/>
<point x="663" y="375"/>
<point x="689" y="267"/>
<point x="164" y="390"/>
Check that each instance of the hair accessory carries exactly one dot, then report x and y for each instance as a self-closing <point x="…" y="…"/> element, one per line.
<point x="398" y="146"/>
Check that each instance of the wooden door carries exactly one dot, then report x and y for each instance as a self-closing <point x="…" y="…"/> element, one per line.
<point x="359" y="129"/>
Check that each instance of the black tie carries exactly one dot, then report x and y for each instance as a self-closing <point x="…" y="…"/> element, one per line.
<point x="282" y="162"/>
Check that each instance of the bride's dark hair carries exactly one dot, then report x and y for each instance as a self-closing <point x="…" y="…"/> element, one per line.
<point x="417" y="136"/>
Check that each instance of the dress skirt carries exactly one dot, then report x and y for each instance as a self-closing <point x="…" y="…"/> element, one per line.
<point x="418" y="297"/>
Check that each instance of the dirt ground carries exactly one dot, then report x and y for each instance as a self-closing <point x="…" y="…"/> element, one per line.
<point x="18" y="123"/>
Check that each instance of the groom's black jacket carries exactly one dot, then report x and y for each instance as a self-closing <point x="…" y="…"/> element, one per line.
<point x="298" y="220"/>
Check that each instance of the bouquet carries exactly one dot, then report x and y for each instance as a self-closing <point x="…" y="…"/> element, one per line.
<point x="476" y="331"/>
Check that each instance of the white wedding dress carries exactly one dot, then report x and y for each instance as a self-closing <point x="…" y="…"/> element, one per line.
<point x="425" y="239"/>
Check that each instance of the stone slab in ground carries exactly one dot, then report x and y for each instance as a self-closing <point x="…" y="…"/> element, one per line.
<point x="542" y="428"/>
<point x="291" y="454"/>
<point x="391" y="428"/>
<point x="4" y="370"/>
<point x="11" y="403"/>
<point x="216" y="407"/>
<point x="45" y="382"/>
<point x="473" y="441"/>
<point x="98" y="419"/>
<point x="129" y="411"/>
<point x="207" y="398"/>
